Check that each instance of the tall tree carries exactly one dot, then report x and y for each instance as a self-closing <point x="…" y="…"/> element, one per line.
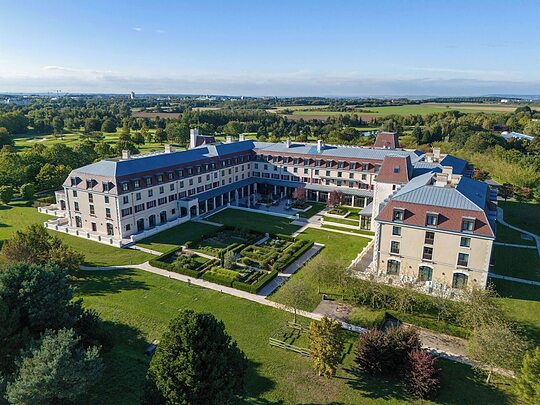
<point x="197" y="362"/>
<point x="55" y="370"/>
<point x="325" y="345"/>
<point x="295" y="295"/>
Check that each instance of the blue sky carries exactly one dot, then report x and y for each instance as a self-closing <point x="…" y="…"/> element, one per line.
<point x="284" y="48"/>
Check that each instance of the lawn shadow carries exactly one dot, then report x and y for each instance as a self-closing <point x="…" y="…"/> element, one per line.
<point x="125" y="367"/>
<point x="99" y="283"/>
<point x="375" y="387"/>
<point x="256" y="384"/>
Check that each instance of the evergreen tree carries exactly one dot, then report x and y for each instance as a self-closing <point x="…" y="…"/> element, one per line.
<point x="527" y="384"/>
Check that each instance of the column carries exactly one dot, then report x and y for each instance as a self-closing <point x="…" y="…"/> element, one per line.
<point x="352" y="202"/>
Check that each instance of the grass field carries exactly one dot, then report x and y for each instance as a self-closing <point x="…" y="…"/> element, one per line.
<point x="19" y="215"/>
<point x="176" y="236"/>
<point x="509" y="235"/>
<point x="523" y="215"/>
<point x="254" y="221"/>
<point x="516" y="262"/>
<point x="137" y="307"/>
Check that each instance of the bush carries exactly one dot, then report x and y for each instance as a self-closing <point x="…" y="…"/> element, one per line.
<point x="258" y="285"/>
<point x="386" y="353"/>
<point x="161" y="262"/>
<point x="422" y="375"/>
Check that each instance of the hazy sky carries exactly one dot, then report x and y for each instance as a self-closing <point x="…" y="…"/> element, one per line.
<point x="279" y="47"/>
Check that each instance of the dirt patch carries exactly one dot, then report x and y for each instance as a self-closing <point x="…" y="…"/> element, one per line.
<point x="335" y="310"/>
<point x="143" y="114"/>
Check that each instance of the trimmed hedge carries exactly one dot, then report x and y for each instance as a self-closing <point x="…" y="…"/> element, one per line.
<point x="257" y="286"/>
<point x="286" y="258"/>
<point x="161" y="263"/>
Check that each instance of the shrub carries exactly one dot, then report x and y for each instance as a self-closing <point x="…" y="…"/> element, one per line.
<point x="422" y="375"/>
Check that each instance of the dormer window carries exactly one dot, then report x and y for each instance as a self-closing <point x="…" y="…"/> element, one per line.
<point x="148" y="181"/>
<point x="399" y="214"/>
<point x="125" y="187"/>
<point x="160" y="178"/>
<point x="136" y="183"/>
<point x="105" y="186"/>
<point x="73" y="181"/>
<point x="467" y="224"/>
<point x="396" y="169"/>
<point x="432" y="219"/>
<point x="88" y="183"/>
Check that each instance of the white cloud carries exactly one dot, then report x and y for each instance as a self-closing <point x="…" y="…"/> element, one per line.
<point x="138" y="29"/>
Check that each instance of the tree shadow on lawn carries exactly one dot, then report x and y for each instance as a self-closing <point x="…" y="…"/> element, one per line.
<point x="256" y="385"/>
<point x="125" y="366"/>
<point x="100" y="283"/>
<point x="375" y="387"/>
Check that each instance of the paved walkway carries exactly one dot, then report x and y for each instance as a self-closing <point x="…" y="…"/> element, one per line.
<point x="143" y="249"/>
<point x="514" y="245"/>
<point x="515" y="279"/>
<point x="500" y="218"/>
<point x="303" y="259"/>
<point x="204" y="221"/>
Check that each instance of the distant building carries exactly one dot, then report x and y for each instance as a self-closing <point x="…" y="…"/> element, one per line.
<point x="132" y="95"/>
<point x="516" y="135"/>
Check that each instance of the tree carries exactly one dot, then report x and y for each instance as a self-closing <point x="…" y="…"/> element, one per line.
<point x="335" y="198"/>
<point x="299" y="194"/>
<point x="197" y="362"/>
<point x="229" y="259"/>
<point x="422" y="374"/>
<point x="51" y="177"/>
<point x="505" y="191"/>
<point x="56" y="369"/>
<point x="160" y="135"/>
<point x="480" y="307"/>
<point x="232" y="128"/>
<point x="176" y="132"/>
<point x="294" y="294"/>
<point x="28" y="190"/>
<point x="92" y="124"/>
<point x="527" y="384"/>
<point x="138" y="138"/>
<point x="387" y="352"/>
<point x="108" y="125"/>
<point x="495" y="345"/>
<point x="5" y="138"/>
<point x="6" y="194"/>
<point x="58" y="125"/>
<point x="36" y="245"/>
<point x="325" y="345"/>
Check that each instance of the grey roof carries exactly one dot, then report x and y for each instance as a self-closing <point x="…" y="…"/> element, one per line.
<point x="155" y="161"/>
<point x="467" y="195"/>
<point x="338" y="151"/>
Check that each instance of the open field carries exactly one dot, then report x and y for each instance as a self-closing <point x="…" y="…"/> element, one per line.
<point x="19" y="215"/>
<point x="254" y="221"/>
<point x="137" y="307"/>
<point x="509" y="235"/>
<point x="522" y="214"/>
<point x="318" y="112"/>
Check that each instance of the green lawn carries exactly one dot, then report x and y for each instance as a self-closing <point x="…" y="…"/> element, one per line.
<point x="341" y="228"/>
<point x="509" y="235"/>
<point x="254" y="221"/>
<point x="315" y="208"/>
<point x="523" y="215"/>
<point x="137" y="307"/>
<point x="516" y="262"/>
<point x="176" y="236"/>
<point x="344" y="221"/>
<point x="19" y="215"/>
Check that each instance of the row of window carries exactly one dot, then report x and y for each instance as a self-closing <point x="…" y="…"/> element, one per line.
<point x="340" y="164"/>
<point x="316" y="172"/>
<point x="427" y="252"/>
<point x="432" y="220"/>
<point x="425" y="273"/>
<point x="429" y="238"/>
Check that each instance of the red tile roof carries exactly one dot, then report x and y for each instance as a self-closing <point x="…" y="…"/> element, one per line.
<point x="388" y="140"/>
<point x="450" y="219"/>
<point x="395" y="170"/>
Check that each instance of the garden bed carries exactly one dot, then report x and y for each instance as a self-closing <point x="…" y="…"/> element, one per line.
<point x="222" y="239"/>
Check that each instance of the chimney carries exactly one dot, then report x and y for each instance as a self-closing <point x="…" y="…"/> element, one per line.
<point x="126" y="154"/>
<point x="228" y="139"/>
<point x="436" y="153"/>
<point x="168" y="148"/>
<point x="441" y="179"/>
<point x="447" y="170"/>
<point x="288" y="143"/>
<point x="320" y="145"/>
<point x="193" y="134"/>
<point x="241" y="137"/>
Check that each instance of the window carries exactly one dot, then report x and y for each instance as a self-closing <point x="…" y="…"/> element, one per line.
<point x="88" y="183"/>
<point x="399" y="214"/>
<point x="128" y="227"/>
<point x="138" y="196"/>
<point x="75" y="193"/>
<point x="459" y="280"/>
<point x="150" y="193"/>
<point x="392" y="267"/>
<point x="78" y="222"/>
<point x="139" y="207"/>
<point x="394" y="247"/>
<point x="127" y="211"/>
<point x="73" y="181"/>
<point x="467" y="225"/>
<point x="136" y="184"/>
<point x="94" y="227"/>
<point x="432" y="219"/>
<point x="125" y="187"/>
<point x="148" y="181"/>
<point x="425" y="273"/>
<point x="76" y="205"/>
<point x="463" y="259"/>
<point x="364" y="176"/>
<point x="92" y="210"/>
<point x="396" y="169"/>
<point x="427" y="254"/>
<point x="339" y="174"/>
<point x="160" y="178"/>
<point x="328" y="173"/>
<point x="161" y="189"/>
<point x="171" y="187"/>
<point x="465" y="242"/>
<point x="351" y="175"/>
<point x="430" y="238"/>
<point x="396" y="230"/>
<point x="125" y="199"/>
<point x="106" y="199"/>
<point x="107" y="212"/>
<point x="90" y="197"/>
